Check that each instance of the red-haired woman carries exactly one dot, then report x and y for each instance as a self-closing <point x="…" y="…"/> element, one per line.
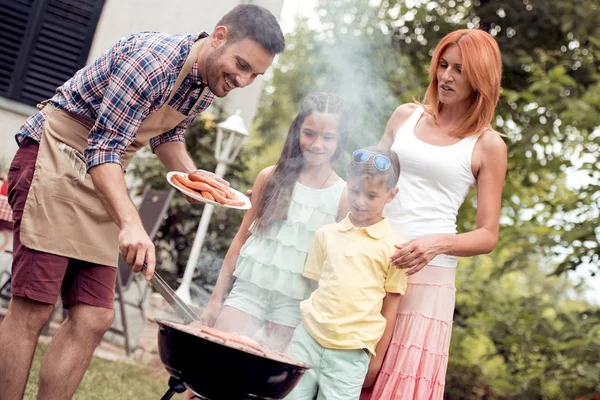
<point x="446" y="146"/>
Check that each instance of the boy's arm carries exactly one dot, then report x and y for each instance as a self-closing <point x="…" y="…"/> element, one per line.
<point x="389" y="311"/>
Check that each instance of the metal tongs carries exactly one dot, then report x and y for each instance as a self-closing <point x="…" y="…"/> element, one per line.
<point x="183" y="310"/>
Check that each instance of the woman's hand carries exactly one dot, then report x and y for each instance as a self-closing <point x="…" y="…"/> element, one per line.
<point x="212" y="311"/>
<point x="416" y="254"/>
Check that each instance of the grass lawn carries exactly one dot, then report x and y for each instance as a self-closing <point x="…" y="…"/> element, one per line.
<point x="109" y="380"/>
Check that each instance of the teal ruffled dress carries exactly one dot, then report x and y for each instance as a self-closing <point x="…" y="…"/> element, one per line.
<point x="274" y="260"/>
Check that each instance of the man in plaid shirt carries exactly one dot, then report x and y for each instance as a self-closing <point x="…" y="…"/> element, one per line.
<point x="117" y="92"/>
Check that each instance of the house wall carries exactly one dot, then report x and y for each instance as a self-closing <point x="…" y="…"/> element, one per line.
<point x="122" y="17"/>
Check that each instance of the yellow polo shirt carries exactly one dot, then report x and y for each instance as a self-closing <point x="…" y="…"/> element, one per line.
<point x="354" y="273"/>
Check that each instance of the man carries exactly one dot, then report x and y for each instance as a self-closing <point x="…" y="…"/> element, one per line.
<point x="68" y="193"/>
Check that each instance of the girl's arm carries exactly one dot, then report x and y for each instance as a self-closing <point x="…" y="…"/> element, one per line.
<point x="225" y="278"/>
<point x="489" y="165"/>
<point x="389" y="310"/>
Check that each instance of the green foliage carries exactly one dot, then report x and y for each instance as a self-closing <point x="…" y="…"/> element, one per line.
<point x="377" y="57"/>
<point x="519" y="333"/>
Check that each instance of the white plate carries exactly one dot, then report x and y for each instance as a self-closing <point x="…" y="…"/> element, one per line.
<point x="196" y="196"/>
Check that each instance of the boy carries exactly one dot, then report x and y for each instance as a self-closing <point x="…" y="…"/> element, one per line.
<point x="351" y="315"/>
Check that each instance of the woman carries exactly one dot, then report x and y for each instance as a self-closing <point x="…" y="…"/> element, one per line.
<point x="446" y="146"/>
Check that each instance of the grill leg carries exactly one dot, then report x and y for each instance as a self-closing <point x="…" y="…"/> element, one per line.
<point x="175" y="386"/>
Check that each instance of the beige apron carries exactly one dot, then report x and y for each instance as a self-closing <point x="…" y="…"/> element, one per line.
<point x="62" y="214"/>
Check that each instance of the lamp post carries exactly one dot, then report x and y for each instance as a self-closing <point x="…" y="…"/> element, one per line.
<point x="231" y="137"/>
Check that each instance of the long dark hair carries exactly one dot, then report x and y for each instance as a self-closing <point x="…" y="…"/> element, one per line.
<point x="277" y="195"/>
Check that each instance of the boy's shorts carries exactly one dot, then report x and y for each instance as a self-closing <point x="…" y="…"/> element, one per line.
<point x="264" y="305"/>
<point x="335" y="374"/>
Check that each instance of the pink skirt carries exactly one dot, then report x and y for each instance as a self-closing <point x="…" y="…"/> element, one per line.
<point x="415" y="364"/>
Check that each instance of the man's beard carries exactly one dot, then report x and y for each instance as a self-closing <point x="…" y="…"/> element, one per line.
<point x="213" y="80"/>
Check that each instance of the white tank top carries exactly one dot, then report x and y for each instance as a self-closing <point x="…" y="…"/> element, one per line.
<point x="434" y="181"/>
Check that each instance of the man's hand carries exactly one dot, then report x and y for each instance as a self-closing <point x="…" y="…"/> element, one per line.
<point x="137" y="249"/>
<point x="190" y="200"/>
<point x="134" y="243"/>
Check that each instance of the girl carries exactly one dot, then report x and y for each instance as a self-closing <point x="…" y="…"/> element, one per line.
<point x="291" y="199"/>
<point x="446" y="146"/>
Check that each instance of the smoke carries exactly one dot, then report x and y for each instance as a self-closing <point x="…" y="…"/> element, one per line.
<point x="357" y="59"/>
<point x="356" y="76"/>
<point x="346" y="53"/>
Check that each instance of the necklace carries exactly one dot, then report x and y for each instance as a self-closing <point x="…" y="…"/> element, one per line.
<point x="324" y="182"/>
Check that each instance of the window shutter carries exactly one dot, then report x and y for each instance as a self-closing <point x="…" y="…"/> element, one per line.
<point x="61" y="33"/>
<point x="14" y="18"/>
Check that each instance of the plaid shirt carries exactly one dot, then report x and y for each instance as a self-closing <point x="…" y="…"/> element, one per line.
<point x="122" y="87"/>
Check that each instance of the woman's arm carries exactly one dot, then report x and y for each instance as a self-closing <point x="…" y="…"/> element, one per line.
<point x="489" y="166"/>
<point x="389" y="310"/>
<point x="225" y="278"/>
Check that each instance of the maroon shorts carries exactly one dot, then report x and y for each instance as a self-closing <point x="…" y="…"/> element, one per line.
<point x="43" y="276"/>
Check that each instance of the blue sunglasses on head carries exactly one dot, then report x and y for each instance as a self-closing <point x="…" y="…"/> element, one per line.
<point x="380" y="162"/>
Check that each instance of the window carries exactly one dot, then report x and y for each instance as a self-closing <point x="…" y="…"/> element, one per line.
<point x="42" y="44"/>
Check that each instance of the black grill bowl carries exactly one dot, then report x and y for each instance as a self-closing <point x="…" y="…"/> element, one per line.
<point x="220" y="372"/>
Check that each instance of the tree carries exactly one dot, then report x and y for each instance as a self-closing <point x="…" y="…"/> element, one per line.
<point x="518" y="332"/>
<point x="521" y="335"/>
<point x="377" y="57"/>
